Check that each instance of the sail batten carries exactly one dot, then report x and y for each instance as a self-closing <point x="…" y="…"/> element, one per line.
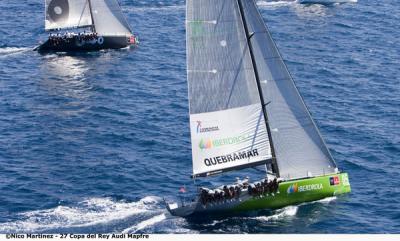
<point x="228" y="127"/>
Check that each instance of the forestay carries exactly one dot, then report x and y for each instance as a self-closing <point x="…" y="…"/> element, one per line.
<point x="228" y="128"/>
<point x="109" y="19"/>
<point x="62" y="14"/>
<point x="299" y="148"/>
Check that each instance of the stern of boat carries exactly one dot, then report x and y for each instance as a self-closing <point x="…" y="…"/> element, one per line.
<point x="181" y="210"/>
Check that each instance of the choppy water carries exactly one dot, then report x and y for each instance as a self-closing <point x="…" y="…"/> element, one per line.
<point x="92" y="142"/>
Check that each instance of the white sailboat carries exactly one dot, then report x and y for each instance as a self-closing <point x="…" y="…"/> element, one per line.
<point x="246" y="111"/>
<point x="326" y="1"/>
<point x="102" y="25"/>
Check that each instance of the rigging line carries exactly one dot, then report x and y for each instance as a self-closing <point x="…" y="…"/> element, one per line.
<point x="259" y="170"/>
<point x="248" y="36"/>
<point x="126" y="22"/>
<point x="83" y="11"/>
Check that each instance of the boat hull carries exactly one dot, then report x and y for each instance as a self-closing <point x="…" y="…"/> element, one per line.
<point x="326" y="1"/>
<point x="290" y="193"/>
<point x="76" y="44"/>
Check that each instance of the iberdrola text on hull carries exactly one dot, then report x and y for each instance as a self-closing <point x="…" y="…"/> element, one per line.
<point x="289" y="193"/>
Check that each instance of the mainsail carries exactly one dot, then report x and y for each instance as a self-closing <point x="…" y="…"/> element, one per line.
<point x="108" y="18"/>
<point x="105" y="16"/>
<point x="300" y="151"/>
<point x="62" y="14"/>
<point x="228" y="127"/>
<point x="234" y="71"/>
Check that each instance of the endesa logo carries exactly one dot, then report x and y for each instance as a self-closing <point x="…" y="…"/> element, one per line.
<point x="201" y="129"/>
<point x="334" y="181"/>
<point x="292" y="189"/>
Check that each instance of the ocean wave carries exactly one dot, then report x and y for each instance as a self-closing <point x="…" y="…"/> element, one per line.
<point x="89" y="212"/>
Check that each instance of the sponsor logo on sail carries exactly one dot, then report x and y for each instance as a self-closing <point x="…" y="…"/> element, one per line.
<point x="211" y="143"/>
<point x="334" y="181"/>
<point x="205" y="144"/>
<point x="213" y="161"/>
<point x="201" y="129"/>
<point x="294" y="188"/>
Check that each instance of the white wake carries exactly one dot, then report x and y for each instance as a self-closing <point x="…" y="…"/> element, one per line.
<point x="7" y="51"/>
<point x="87" y="213"/>
<point x="146" y="223"/>
<point x="291" y="211"/>
<point x="283" y="213"/>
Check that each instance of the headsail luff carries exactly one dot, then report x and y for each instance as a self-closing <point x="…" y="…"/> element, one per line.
<point x="109" y="19"/>
<point x="299" y="147"/>
<point x="61" y="14"/>
<point x="228" y="127"/>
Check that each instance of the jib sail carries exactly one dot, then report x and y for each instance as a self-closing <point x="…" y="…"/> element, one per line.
<point x="300" y="151"/>
<point x="108" y="18"/>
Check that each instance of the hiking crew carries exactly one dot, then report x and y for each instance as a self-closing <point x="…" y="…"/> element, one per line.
<point x="258" y="189"/>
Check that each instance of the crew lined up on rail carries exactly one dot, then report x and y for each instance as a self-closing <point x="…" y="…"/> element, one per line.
<point x="57" y="39"/>
<point x="264" y="187"/>
<point x="234" y="191"/>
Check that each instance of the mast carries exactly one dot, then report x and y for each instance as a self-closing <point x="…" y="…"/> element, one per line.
<point x="275" y="168"/>
<point x="91" y="16"/>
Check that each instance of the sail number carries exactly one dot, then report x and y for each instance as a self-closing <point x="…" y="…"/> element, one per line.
<point x="97" y="40"/>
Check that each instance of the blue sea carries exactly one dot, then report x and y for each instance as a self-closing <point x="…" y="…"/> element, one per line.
<point x="93" y="142"/>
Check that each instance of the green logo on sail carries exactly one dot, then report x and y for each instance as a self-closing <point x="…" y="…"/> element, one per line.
<point x="210" y="143"/>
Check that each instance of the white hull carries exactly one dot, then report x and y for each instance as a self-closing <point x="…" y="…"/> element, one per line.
<point x="326" y="1"/>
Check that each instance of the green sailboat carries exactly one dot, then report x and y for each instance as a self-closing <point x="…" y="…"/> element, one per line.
<point x="245" y="111"/>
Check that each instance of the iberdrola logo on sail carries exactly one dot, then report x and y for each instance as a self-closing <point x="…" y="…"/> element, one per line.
<point x="205" y="144"/>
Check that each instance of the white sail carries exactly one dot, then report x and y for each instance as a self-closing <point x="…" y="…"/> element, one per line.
<point x="300" y="151"/>
<point x="108" y="18"/>
<point x="228" y="128"/>
<point x="61" y="14"/>
<point x="229" y="139"/>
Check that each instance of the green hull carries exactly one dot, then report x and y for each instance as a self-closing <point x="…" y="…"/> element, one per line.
<point x="299" y="191"/>
<point x="290" y="193"/>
